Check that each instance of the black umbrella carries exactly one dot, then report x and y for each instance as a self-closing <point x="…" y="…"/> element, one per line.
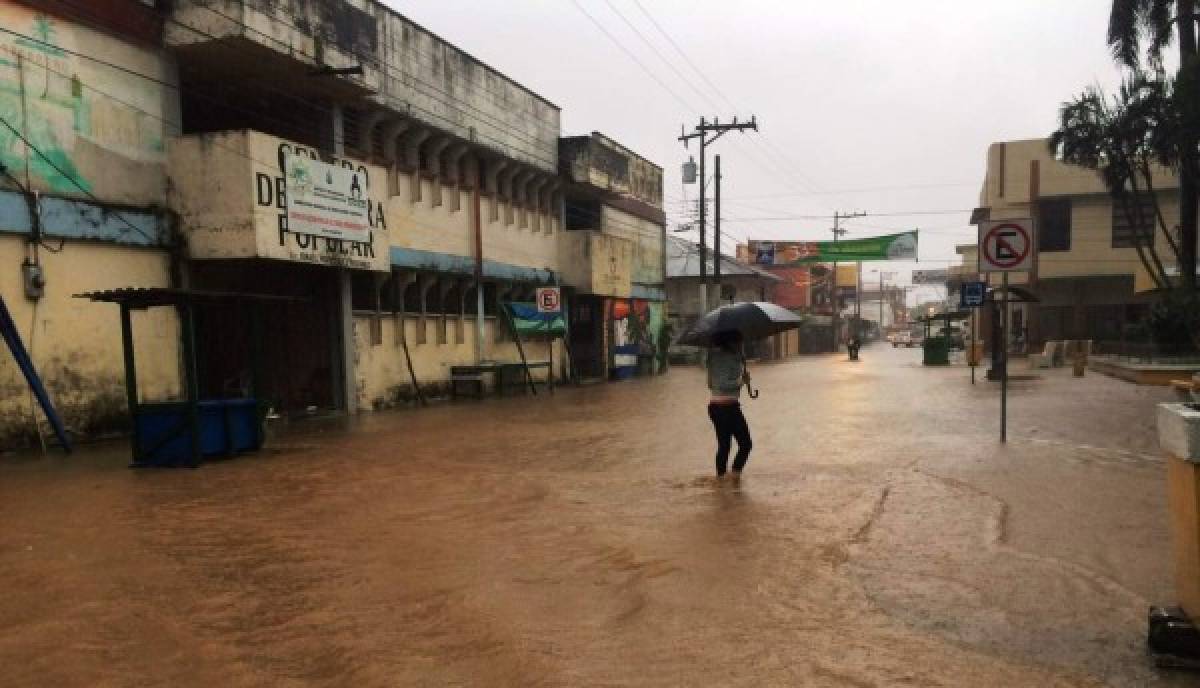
<point x="754" y="320"/>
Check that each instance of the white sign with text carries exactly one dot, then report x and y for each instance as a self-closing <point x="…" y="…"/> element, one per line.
<point x="326" y="200"/>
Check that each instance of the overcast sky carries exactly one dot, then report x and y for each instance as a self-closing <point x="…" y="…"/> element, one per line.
<point x="863" y="105"/>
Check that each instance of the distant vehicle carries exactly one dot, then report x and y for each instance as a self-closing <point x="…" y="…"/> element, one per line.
<point x="905" y="338"/>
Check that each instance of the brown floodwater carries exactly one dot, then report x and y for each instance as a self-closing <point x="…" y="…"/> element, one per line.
<point x="881" y="537"/>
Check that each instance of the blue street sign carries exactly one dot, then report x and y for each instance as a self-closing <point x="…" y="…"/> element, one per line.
<point x="972" y="294"/>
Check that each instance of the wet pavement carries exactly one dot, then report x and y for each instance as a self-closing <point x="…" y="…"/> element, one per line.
<point x="881" y="537"/>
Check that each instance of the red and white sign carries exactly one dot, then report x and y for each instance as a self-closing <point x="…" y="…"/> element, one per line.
<point x="1006" y="245"/>
<point x="549" y="300"/>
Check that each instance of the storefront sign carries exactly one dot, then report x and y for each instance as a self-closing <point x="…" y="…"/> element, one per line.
<point x="338" y="216"/>
<point x="888" y="247"/>
<point x="325" y="200"/>
<point x="245" y="194"/>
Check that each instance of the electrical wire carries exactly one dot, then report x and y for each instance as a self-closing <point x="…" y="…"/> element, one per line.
<point x="75" y="182"/>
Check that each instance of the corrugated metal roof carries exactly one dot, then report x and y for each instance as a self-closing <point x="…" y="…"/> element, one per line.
<point x="683" y="260"/>
<point x="148" y="297"/>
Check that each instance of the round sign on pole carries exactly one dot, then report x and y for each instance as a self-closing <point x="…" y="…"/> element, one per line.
<point x="1006" y="245"/>
<point x="549" y="300"/>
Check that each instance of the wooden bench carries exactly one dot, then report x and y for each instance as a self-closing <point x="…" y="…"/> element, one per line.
<point x="463" y="377"/>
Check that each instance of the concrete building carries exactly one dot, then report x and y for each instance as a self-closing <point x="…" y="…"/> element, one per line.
<point x="612" y="257"/>
<point x="739" y="283"/>
<point x="393" y="190"/>
<point x="83" y="193"/>
<point x="1088" y="279"/>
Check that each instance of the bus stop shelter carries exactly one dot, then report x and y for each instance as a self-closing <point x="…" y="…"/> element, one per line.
<point x="936" y="349"/>
<point x="182" y="433"/>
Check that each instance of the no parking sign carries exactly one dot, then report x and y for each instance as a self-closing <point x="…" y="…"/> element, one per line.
<point x="1006" y="245"/>
<point x="549" y="300"/>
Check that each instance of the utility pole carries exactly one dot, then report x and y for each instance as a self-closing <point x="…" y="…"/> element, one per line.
<point x="837" y="305"/>
<point x="717" y="228"/>
<point x="709" y="132"/>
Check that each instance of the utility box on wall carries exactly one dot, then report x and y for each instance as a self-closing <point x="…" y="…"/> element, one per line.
<point x="34" y="280"/>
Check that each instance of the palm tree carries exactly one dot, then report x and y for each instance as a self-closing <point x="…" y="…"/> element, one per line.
<point x="1158" y="21"/>
<point x="1122" y="138"/>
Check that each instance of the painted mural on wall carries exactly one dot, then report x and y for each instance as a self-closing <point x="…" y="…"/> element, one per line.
<point x="636" y="330"/>
<point x="93" y="125"/>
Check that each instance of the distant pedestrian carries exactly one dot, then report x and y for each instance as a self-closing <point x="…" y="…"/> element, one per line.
<point x="726" y="375"/>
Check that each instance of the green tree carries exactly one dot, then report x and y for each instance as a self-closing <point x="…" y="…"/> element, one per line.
<point x="1159" y="22"/>
<point x="1124" y="138"/>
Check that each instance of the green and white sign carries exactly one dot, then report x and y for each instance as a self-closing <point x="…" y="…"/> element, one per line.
<point x="901" y="246"/>
<point x="326" y="200"/>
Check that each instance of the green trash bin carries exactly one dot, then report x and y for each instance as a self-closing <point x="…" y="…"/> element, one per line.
<point x="937" y="351"/>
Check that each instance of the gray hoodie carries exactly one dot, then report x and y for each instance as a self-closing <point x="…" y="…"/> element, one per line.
<point x="725" y="373"/>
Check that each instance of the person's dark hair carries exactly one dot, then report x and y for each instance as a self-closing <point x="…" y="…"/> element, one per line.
<point x="727" y="340"/>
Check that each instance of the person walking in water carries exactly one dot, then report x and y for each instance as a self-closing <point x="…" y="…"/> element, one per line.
<point x="726" y="375"/>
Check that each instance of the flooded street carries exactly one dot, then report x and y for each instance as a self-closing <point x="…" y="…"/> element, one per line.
<point x="881" y="536"/>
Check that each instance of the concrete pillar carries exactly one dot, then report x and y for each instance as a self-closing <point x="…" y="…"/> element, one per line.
<point x="444" y="288"/>
<point x="546" y="199"/>
<point x="411" y="159"/>
<point x="403" y="279"/>
<point x="535" y="201"/>
<point x="345" y="389"/>
<point x="370" y="121"/>
<point x="433" y="161"/>
<point x="506" y="191"/>
<point x="492" y="185"/>
<point x="393" y="131"/>
<point x="504" y="292"/>
<point x="451" y="171"/>
<point x="465" y="289"/>
<point x="558" y="210"/>
<point x="424" y="283"/>
<point x="521" y="195"/>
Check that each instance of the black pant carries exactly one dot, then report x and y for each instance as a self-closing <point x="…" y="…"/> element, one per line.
<point x="729" y="423"/>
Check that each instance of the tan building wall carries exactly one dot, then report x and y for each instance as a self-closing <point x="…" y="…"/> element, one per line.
<point x="1021" y="172"/>
<point x="76" y="344"/>
<point x="382" y="372"/>
<point x="102" y="127"/>
<point x="646" y="239"/>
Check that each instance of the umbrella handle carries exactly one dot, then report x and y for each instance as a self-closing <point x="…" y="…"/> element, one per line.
<point x="749" y="390"/>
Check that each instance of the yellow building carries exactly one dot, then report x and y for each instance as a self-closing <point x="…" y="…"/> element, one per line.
<point x="387" y="189"/>
<point x="1087" y="278"/>
<point x="82" y="194"/>
<point x="612" y="257"/>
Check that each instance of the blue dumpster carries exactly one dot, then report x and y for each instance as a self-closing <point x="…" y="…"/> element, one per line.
<point x="227" y="427"/>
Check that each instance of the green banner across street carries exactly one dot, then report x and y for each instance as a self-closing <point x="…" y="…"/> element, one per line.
<point x="901" y="246"/>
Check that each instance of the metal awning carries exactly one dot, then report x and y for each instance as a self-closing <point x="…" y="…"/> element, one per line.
<point x="1021" y="294"/>
<point x="139" y="298"/>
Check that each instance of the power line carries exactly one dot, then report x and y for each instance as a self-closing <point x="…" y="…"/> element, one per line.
<point x="633" y="57"/>
<point x="75" y="182"/>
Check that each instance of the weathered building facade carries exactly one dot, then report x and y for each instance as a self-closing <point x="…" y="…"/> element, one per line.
<point x="390" y="190"/>
<point x="612" y="257"/>
<point x="83" y="193"/>
<point x="1088" y="279"/>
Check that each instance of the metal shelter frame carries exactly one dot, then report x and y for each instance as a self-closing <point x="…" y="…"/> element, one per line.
<point x="185" y="302"/>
